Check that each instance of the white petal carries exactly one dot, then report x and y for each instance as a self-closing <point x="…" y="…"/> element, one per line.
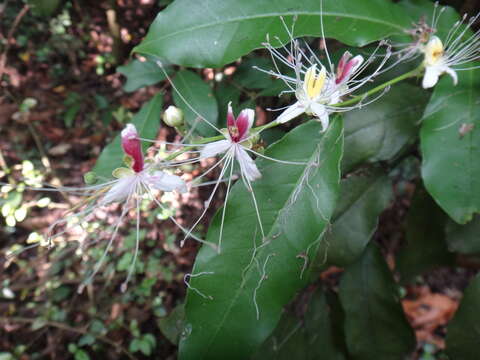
<point x="431" y="76"/>
<point x="215" y="148"/>
<point x="359" y="60"/>
<point x="322" y="114"/>
<point x="290" y="113"/>
<point x="247" y="165"/>
<point x="130" y="131"/>
<point x="335" y="97"/>
<point x="121" y="190"/>
<point x="452" y="73"/>
<point x="161" y="180"/>
<point x="250" y="114"/>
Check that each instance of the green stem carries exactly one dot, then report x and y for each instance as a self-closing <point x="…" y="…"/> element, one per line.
<point x="413" y="73"/>
<point x="355" y="99"/>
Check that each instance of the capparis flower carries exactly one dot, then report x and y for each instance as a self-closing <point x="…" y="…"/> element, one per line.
<point x="319" y="89"/>
<point x="131" y="184"/>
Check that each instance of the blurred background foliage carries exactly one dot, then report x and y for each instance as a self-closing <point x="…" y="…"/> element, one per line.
<point x="70" y="82"/>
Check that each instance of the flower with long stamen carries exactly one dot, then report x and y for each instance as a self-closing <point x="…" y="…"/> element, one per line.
<point x="139" y="180"/>
<point x="456" y="54"/>
<point x="443" y="54"/>
<point x="236" y="143"/>
<point x="235" y="147"/>
<point x="319" y="89"/>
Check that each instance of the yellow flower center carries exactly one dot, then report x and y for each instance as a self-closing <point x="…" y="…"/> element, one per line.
<point x="433" y="51"/>
<point x="314" y="82"/>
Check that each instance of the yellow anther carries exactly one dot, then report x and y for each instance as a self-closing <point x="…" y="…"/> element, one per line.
<point x="313" y="82"/>
<point x="433" y="51"/>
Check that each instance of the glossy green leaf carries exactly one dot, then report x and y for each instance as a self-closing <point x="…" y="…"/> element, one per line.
<point x="309" y="337"/>
<point x="425" y="238"/>
<point x="382" y="129"/>
<point x="225" y="93"/>
<point x="450" y="168"/>
<point x="419" y="10"/>
<point x="200" y="97"/>
<point x="375" y="325"/>
<point x="362" y="198"/>
<point x="463" y="331"/>
<point x="223" y="30"/>
<point x="140" y="74"/>
<point x="247" y="281"/>
<point x="464" y="239"/>
<point x="250" y="78"/>
<point x="147" y="122"/>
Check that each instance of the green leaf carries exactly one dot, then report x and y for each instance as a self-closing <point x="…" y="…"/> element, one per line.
<point x="225" y="93"/>
<point x="295" y="203"/>
<point x="200" y="97"/>
<point x="310" y="337"/>
<point x="382" y="129"/>
<point x="147" y="122"/>
<point x="375" y="325"/>
<point x="362" y="198"/>
<point x="70" y="115"/>
<point x="450" y="168"/>
<point x="44" y="7"/>
<point x="464" y="239"/>
<point x="223" y="30"/>
<point x="140" y="74"/>
<point x="426" y="247"/>
<point x="145" y="346"/>
<point x="463" y="331"/>
<point x="61" y="293"/>
<point x="423" y="10"/>
<point x="86" y="339"/>
<point x="81" y="355"/>
<point x="172" y="325"/>
<point x="250" y="78"/>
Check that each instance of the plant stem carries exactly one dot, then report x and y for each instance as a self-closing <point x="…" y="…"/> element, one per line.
<point x="413" y="73"/>
<point x="380" y="87"/>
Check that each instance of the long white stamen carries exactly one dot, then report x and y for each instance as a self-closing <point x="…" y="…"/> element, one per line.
<point x="224" y="209"/>
<point x="250" y="189"/>
<point x="131" y="269"/>
<point x="276" y="160"/>
<point x="109" y="245"/>
<point x="222" y="172"/>
<point x="184" y="230"/>
<point x="159" y="63"/>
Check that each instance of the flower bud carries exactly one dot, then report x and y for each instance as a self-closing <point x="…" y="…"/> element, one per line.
<point x="173" y="116"/>
<point x="90" y="178"/>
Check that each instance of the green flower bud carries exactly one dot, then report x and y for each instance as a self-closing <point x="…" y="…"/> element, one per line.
<point x="90" y="178"/>
<point x="173" y="116"/>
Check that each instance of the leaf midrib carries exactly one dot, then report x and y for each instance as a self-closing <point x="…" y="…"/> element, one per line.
<point x="270" y="15"/>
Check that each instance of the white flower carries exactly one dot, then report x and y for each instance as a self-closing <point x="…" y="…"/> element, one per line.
<point x="131" y="185"/>
<point x="236" y="143"/>
<point x="436" y="63"/>
<point x="453" y="53"/>
<point x="317" y="88"/>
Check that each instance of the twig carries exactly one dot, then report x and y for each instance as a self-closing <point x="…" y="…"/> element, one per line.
<point x="3" y="56"/>
<point x="62" y="326"/>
